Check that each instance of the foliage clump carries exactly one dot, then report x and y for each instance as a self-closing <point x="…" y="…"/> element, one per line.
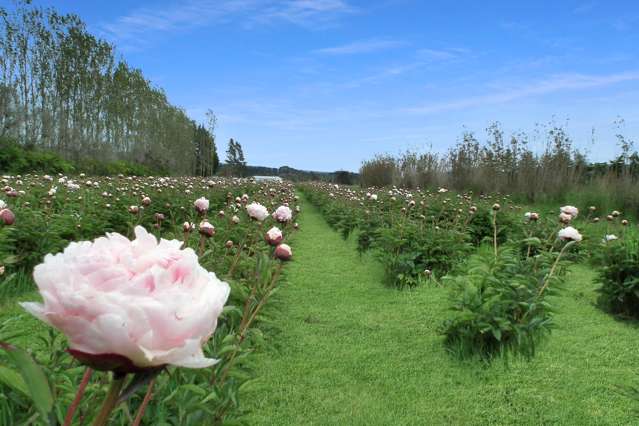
<point x="619" y="277"/>
<point x="499" y="303"/>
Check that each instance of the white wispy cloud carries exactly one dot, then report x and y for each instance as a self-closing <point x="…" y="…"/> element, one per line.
<point x="584" y="7"/>
<point x="441" y="54"/>
<point x="363" y="46"/>
<point x="137" y="28"/>
<point x="551" y="85"/>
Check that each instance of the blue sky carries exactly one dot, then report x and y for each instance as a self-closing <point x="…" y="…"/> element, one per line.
<point x="324" y="84"/>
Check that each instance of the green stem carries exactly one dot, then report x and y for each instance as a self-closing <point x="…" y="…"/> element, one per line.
<point x="554" y="266"/>
<point x="110" y="400"/>
<point x="495" y="231"/>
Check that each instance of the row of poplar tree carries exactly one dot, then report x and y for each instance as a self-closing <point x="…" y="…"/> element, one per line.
<point x="62" y="89"/>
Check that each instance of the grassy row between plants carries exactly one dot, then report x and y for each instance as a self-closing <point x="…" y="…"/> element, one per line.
<point x="350" y="350"/>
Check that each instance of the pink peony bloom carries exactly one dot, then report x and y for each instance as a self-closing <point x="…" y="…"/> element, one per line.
<point x="201" y="205"/>
<point x="570" y="210"/>
<point x="283" y="214"/>
<point x="274" y="236"/>
<point x="129" y="305"/>
<point x="257" y="211"/>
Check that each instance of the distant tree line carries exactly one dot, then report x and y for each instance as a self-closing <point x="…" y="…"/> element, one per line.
<point x="62" y="89"/>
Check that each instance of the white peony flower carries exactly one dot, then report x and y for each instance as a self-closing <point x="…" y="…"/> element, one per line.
<point x="569" y="234"/>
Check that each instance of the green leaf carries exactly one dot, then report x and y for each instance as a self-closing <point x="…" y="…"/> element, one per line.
<point x="497" y="333"/>
<point x="13" y="379"/>
<point x="34" y="378"/>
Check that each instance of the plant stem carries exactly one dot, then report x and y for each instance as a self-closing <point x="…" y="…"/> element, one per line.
<point x="202" y="245"/>
<point x="110" y="400"/>
<point x="552" y="270"/>
<point x="495" y="231"/>
<point x="145" y="402"/>
<point x="78" y="396"/>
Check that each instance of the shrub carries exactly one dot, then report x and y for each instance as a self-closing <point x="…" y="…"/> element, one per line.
<point x="408" y="251"/>
<point x="17" y="159"/>
<point x="480" y="227"/>
<point x="499" y="304"/>
<point x="619" y="277"/>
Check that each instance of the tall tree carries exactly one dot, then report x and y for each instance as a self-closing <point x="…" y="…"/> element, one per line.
<point x="235" y="158"/>
<point x="61" y="88"/>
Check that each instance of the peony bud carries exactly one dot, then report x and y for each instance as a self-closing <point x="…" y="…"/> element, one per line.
<point x="207" y="229"/>
<point x="283" y="252"/>
<point x="7" y="217"/>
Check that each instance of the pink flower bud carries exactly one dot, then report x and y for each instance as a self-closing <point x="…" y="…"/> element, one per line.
<point x="207" y="229"/>
<point x="283" y="252"/>
<point x="7" y="217"/>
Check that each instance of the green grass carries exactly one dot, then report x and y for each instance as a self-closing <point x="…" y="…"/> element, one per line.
<point x="350" y="351"/>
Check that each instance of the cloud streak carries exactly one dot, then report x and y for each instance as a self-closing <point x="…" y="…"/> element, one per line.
<point x="551" y="85"/>
<point x="364" y="46"/>
<point x="139" y="27"/>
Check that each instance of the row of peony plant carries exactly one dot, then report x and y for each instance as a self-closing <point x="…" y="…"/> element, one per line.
<point x="151" y="325"/>
<point x="498" y="260"/>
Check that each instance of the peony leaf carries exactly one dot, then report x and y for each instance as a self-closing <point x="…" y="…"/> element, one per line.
<point x="34" y="378"/>
<point x="14" y="380"/>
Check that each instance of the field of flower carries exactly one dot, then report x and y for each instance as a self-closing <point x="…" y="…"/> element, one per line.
<point x="181" y="280"/>
<point x="170" y="319"/>
<point x="499" y="260"/>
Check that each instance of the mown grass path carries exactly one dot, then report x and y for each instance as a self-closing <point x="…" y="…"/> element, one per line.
<point x="350" y="351"/>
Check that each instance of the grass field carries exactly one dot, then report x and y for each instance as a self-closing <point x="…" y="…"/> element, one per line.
<point x="350" y="351"/>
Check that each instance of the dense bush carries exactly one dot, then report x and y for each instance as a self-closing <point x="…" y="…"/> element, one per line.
<point x="411" y="254"/>
<point x="480" y="227"/>
<point x="16" y="159"/>
<point x="619" y="277"/>
<point x="499" y="304"/>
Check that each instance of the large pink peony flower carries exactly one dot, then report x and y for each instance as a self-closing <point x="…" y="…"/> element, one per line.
<point x="201" y="205"/>
<point x="127" y="305"/>
<point x="257" y="211"/>
<point x="283" y="214"/>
